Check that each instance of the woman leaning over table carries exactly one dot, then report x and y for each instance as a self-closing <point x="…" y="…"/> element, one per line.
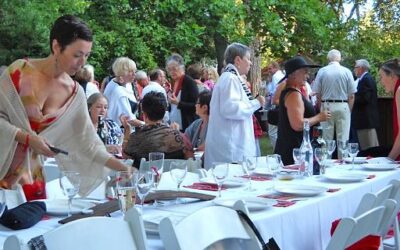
<point x="230" y="133"/>
<point x="389" y="74"/>
<point x="41" y="106"/>
<point x="294" y="108"/>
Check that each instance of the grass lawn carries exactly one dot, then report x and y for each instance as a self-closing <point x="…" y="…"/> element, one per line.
<point x="265" y="145"/>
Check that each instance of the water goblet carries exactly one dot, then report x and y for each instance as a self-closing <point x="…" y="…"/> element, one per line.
<point x="249" y="165"/>
<point x="342" y="147"/>
<point x="156" y="163"/>
<point x="178" y="172"/>
<point x="298" y="157"/>
<point x="353" y="151"/>
<point x="330" y="146"/>
<point x="321" y="155"/>
<point x="70" y="182"/>
<point x="126" y="189"/>
<point x="220" y="173"/>
<point x="144" y="182"/>
<point x="273" y="163"/>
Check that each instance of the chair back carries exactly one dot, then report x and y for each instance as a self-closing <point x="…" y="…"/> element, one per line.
<point x="214" y="226"/>
<point x="93" y="233"/>
<point x="351" y="230"/>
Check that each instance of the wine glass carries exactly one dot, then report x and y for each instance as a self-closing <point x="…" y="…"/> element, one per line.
<point x="353" y="151"/>
<point x="321" y="155"/>
<point x="156" y="163"/>
<point x="220" y="173"/>
<point x="342" y="147"/>
<point x="70" y="182"/>
<point x="126" y="189"/>
<point x="249" y="165"/>
<point x="178" y="172"/>
<point x="298" y="157"/>
<point x="330" y="146"/>
<point x="273" y="163"/>
<point x="144" y="182"/>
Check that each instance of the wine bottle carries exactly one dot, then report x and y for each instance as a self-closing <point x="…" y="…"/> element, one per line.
<point x="307" y="150"/>
<point x="317" y="142"/>
<point x="101" y="129"/>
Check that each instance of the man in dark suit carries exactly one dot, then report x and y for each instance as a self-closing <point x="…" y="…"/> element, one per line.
<point x="365" y="117"/>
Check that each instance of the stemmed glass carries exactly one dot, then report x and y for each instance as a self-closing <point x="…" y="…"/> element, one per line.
<point x="273" y="163"/>
<point x="178" y="172"/>
<point x="342" y="147"/>
<point x="156" y="163"/>
<point x="70" y="182"/>
<point x="320" y="155"/>
<point x="353" y="151"/>
<point x="249" y="165"/>
<point x="298" y="158"/>
<point x="330" y="146"/>
<point x="220" y="173"/>
<point x="144" y="182"/>
<point x="126" y="189"/>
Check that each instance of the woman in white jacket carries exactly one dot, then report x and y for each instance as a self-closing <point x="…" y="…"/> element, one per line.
<point x="230" y="134"/>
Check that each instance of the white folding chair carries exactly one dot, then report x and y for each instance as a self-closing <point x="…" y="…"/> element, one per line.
<point x="393" y="243"/>
<point x="93" y="233"/>
<point x="352" y="229"/>
<point x="214" y="227"/>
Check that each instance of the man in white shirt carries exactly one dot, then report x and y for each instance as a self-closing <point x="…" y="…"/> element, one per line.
<point x="277" y="75"/>
<point x="334" y="86"/>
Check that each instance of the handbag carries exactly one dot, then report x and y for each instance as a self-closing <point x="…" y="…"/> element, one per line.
<point x="273" y="116"/>
<point x="271" y="245"/>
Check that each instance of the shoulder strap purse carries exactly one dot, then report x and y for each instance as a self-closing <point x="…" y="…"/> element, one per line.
<point x="271" y="245"/>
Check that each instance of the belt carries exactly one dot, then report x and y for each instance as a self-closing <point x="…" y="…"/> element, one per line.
<point x="334" y="101"/>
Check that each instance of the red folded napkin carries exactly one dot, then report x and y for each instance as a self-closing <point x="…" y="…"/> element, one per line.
<point x="281" y="203"/>
<point x="256" y="177"/>
<point x="332" y="190"/>
<point x="291" y="167"/>
<point x="369" y="157"/>
<point x="205" y="186"/>
<point x="371" y="176"/>
<point x="370" y="242"/>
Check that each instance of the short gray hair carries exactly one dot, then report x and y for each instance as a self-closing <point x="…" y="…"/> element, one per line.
<point x="140" y="75"/>
<point x="176" y="58"/>
<point x="363" y="64"/>
<point x="334" y="55"/>
<point x="234" y="50"/>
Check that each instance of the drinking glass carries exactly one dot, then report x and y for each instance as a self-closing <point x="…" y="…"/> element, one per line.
<point x="274" y="162"/>
<point x="3" y="201"/>
<point x="144" y="182"/>
<point x="178" y="172"/>
<point x="321" y="155"/>
<point x="249" y="165"/>
<point x="156" y="163"/>
<point x="126" y="189"/>
<point x="70" y="182"/>
<point x="353" y="151"/>
<point x="342" y="147"/>
<point x="330" y="146"/>
<point x="220" y="173"/>
<point x="298" y="158"/>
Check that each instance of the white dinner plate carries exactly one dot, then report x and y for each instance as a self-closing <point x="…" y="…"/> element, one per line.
<point x="60" y="206"/>
<point x="345" y="177"/>
<point x="300" y="190"/>
<point x="357" y="160"/>
<point x="380" y="160"/>
<point x="252" y="203"/>
<point x="380" y="166"/>
<point x="230" y="182"/>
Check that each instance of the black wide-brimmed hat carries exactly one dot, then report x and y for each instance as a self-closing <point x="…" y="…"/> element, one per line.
<point x="296" y="63"/>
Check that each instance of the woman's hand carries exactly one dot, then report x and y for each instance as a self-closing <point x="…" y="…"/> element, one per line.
<point x="174" y="125"/>
<point x="40" y="145"/>
<point x="114" y="149"/>
<point x="261" y="99"/>
<point x="125" y="123"/>
<point x="324" y="115"/>
<point x="172" y="99"/>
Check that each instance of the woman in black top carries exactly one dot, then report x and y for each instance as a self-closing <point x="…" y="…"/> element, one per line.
<point x="294" y="108"/>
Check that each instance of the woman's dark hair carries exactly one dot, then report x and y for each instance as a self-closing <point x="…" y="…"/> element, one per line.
<point x="205" y="99"/>
<point x="195" y="70"/>
<point x="391" y="66"/>
<point x="154" y="105"/>
<point x="67" y="29"/>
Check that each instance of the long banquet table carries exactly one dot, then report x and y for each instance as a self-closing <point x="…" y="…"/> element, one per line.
<point x="304" y="225"/>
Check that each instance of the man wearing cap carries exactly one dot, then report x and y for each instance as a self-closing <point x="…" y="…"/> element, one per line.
<point x="334" y="86"/>
<point x="365" y="117"/>
<point x="294" y="109"/>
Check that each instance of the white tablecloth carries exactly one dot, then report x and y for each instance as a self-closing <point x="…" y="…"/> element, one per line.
<point x="304" y="225"/>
